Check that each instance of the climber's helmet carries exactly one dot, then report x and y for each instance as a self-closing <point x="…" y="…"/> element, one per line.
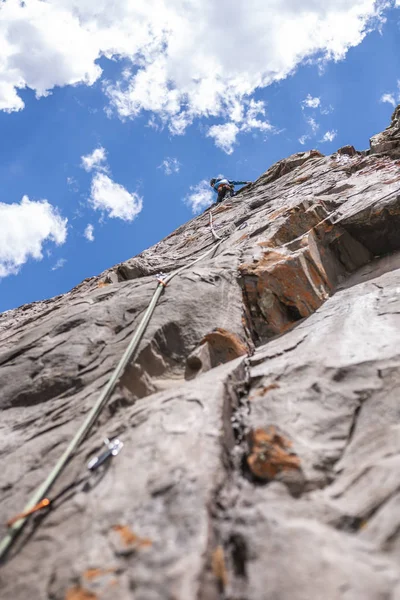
<point x="212" y="182"/>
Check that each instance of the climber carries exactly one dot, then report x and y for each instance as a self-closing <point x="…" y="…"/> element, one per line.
<point x="224" y="187"/>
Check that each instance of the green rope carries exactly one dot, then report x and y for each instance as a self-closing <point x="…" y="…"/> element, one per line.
<point x="94" y="413"/>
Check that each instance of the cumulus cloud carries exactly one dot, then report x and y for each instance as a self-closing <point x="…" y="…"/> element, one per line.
<point x="245" y="118"/>
<point x="329" y="136"/>
<point x="224" y="136"/>
<point x="59" y="264"/>
<point x="314" y="103"/>
<point x="88" y="233"/>
<point x="113" y="199"/>
<point x="95" y="160"/>
<point x="106" y="195"/>
<point x="181" y="60"/>
<point x="200" y="196"/>
<point x="170" y="165"/>
<point x="25" y="228"/>
<point x="191" y="73"/>
<point x="311" y="102"/>
<point x="64" y="52"/>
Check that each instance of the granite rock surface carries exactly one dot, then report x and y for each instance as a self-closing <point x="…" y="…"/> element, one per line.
<point x="260" y="416"/>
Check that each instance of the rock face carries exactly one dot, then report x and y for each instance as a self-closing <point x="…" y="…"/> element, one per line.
<point x="260" y="417"/>
<point x="388" y="142"/>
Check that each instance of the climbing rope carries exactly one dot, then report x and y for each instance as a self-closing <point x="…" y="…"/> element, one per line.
<point x="39" y="499"/>
<point x="211" y="222"/>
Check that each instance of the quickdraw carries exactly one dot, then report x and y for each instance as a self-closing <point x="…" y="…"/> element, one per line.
<point x="160" y="277"/>
<point x="114" y="447"/>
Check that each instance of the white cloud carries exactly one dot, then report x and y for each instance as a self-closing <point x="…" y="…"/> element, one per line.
<point x="251" y="121"/>
<point x="329" y="136"/>
<point x="392" y="98"/>
<point x="244" y="119"/>
<point x="303" y="139"/>
<point x="313" y="124"/>
<point x="200" y="196"/>
<point x="94" y="160"/>
<point x="181" y="60"/>
<point x="389" y="98"/>
<point x="170" y="165"/>
<point x="59" y="264"/>
<point x="106" y="195"/>
<point x="191" y="73"/>
<point x="311" y="102"/>
<point x="73" y="184"/>
<point x="327" y="110"/>
<point x="64" y="51"/>
<point x="89" y="233"/>
<point x="24" y="229"/>
<point x="224" y="136"/>
<point x="114" y="199"/>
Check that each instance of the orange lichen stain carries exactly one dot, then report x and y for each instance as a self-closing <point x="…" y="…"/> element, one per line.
<point x="226" y="342"/>
<point x="265" y="389"/>
<point x="288" y="280"/>
<point x="242" y="237"/>
<point x="91" y="574"/>
<point x="314" y="154"/>
<point x="219" y="567"/>
<point x="102" y="284"/>
<point x="79" y="593"/>
<point x="266" y="244"/>
<point x="129" y="538"/>
<point x="277" y="213"/>
<point x="269" y="258"/>
<point x="302" y="179"/>
<point x="222" y="208"/>
<point x="270" y="454"/>
<point x="188" y="240"/>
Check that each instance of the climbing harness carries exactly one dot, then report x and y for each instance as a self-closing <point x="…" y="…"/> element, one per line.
<point x="39" y="499"/>
<point x="224" y="186"/>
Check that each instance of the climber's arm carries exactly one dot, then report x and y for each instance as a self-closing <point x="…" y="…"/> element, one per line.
<point x="239" y="182"/>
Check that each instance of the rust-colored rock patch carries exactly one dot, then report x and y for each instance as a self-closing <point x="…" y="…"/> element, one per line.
<point x="125" y="540"/>
<point x="219" y="567"/>
<point x="270" y="454"/>
<point x="79" y="593"/>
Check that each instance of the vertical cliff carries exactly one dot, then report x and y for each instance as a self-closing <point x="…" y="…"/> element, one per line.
<point x="260" y="415"/>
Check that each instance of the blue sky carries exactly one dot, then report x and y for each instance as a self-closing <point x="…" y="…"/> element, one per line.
<point x="165" y="114"/>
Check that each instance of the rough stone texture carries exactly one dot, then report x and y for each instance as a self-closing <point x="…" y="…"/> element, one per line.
<point x="388" y="142"/>
<point x="260" y="417"/>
